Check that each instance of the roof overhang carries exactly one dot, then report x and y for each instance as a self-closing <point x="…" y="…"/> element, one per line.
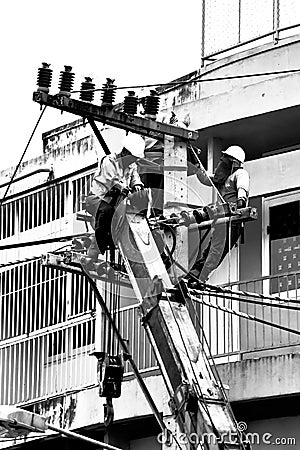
<point x="259" y="134"/>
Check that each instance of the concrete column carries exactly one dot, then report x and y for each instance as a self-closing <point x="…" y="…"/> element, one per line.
<point x="176" y="192"/>
<point x="214" y="149"/>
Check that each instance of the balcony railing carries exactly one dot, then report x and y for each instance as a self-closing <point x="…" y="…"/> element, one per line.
<point x="257" y="337"/>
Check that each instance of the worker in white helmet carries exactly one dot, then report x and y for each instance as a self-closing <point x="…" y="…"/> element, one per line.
<point x="116" y="173"/>
<point x="232" y="182"/>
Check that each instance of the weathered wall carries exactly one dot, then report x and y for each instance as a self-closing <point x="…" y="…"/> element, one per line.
<point x="65" y="149"/>
<point x="258" y="378"/>
<point x="211" y="103"/>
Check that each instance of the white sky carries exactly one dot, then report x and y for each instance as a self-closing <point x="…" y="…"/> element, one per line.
<point x="132" y="41"/>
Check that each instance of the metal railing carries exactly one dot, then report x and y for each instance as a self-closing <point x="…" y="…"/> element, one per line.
<point x="232" y="24"/>
<point x="257" y="337"/>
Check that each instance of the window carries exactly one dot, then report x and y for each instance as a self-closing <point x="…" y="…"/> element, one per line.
<point x="284" y="232"/>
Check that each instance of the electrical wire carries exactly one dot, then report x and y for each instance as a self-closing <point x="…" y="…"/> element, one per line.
<point x="22" y="156"/>
<point x="254" y="302"/>
<point x="244" y="293"/>
<point x="204" y="404"/>
<point x="196" y="79"/>
<point x="244" y="315"/>
<point x="237" y="313"/>
<point x="214" y="365"/>
<point x="210" y="287"/>
<point x="128" y="355"/>
<point x="180" y="332"/>
<point x="196" y="385"/>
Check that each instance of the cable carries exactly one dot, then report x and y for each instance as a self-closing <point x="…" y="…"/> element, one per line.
<point x="23" y="154"/>
<point x="193" y="80"/>
<point x="220" y="384"/>
<point x="223" y="290"/>
<point x="240" y="314"/>
<point x="245" y="315"/>
<point x="196" y="385"/>
<point x="244" y="293"/>
<point x="254" y="302"/>
<point x="128" y="355"/>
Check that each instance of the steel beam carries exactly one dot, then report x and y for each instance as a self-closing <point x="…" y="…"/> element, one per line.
<point x="109" y="116"/>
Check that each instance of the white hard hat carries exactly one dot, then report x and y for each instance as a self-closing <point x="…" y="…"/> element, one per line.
<point x="135" y="144"/>
<point x="235" y="152"/>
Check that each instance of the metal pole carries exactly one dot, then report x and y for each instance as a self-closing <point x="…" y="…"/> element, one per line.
<point x="99" y="135"/>
<point x="82" y="438"/>
<point x="203" y="33"/>
<point x="276" y="9"/>
<point x="239" y="25"/>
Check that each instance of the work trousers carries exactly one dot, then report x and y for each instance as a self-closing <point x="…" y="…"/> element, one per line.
<point x="103" y="226"/>
<point x="216" y="250"/>
<point x="102" y="238"/>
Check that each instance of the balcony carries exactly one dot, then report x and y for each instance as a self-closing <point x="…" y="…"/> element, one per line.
<point x="47" y="341"/>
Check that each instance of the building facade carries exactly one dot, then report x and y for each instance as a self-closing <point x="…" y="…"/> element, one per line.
<point x="50" y="320"/>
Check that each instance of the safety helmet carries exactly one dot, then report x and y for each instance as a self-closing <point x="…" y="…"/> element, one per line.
<point x="235" y="152"/>
<point x="135" y="144"/>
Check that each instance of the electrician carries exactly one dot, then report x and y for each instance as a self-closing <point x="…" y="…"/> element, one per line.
<point x="116" y="175"/>
<point x="232" y="182"/>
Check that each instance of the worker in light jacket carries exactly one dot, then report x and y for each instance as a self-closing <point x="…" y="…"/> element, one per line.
<point x="232" y="182"/>
<point x="116" y="174"/>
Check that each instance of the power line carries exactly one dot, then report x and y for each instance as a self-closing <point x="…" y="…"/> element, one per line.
<point x="242" y="293"/>
<point x="197" y="79"/>
<point x="244" y="300"/>
<point x="205" y="287"/>
<point x="23" y="154"/>
<point x="203" y="334"/>
<point x="129" y="357"/>
<point x="43" y="241"/>
<point x="244" y="315"/>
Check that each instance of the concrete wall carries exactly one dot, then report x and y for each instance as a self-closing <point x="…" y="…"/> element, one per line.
<point x="211" y="103"/>
<point x="65" y="149"/>
<point x="274" y="173"/>
<point x="269" y="376"/>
